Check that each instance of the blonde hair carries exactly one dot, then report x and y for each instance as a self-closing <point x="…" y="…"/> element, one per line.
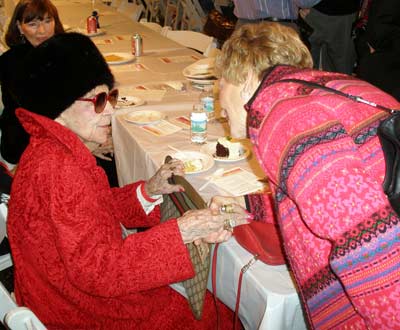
<point x="257" y="47"/>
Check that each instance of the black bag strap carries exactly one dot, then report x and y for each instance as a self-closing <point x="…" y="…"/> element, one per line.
<point x="355" y="98"/>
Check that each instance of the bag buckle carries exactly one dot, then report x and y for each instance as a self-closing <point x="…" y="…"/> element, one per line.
<point x="246" y="267"/>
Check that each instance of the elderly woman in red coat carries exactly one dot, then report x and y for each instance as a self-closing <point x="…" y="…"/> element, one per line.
<point x="323" y="158"/>
<point x="73" y="267"/>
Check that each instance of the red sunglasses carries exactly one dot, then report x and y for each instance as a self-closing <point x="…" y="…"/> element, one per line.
<point x="100" y="100"/>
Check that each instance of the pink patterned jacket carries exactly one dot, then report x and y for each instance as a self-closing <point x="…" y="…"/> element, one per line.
<point x="341" y="237"/>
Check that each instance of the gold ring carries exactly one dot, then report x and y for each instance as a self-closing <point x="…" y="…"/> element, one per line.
<point x="229" y="224"/>
<point x="226" y="208"/>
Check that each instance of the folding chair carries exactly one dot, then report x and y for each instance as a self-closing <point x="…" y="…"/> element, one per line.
<point x="14" y="317"/>
<point x="151" y="25"/>
<point x="152" y="8"/>
<point x="5" y="260"/>
<point x="22" y="318"/>
<point x="131" y="10"/>
<point x="195" y="40"/>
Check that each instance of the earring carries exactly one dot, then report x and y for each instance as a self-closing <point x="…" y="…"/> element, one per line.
<point x="22" y="37"/>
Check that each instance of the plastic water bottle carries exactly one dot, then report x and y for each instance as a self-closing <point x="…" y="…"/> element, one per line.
<point x="207" y="101"/>
<point x="198" y="120"/>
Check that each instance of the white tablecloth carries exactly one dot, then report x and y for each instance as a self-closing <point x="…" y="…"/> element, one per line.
<point x="269" y="300"/>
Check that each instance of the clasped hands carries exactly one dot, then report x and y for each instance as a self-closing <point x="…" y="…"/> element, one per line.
<point x="212" y="225"/>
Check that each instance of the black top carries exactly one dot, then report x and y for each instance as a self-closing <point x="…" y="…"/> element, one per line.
<point x="338" y="7"/>
<point x="383" y="27"/>
<point x="382" y="67"/>
<point x="14" y="139"/>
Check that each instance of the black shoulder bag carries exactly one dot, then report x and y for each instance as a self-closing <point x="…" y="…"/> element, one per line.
<point x="389" y="137"/>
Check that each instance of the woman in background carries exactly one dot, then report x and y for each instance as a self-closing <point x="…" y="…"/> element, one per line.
<point x="33" y="22"/>
<point x="323" y="158"/>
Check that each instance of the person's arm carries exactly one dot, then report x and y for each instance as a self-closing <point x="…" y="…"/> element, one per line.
<point x="134" y="211"/>
<point x="342" y="202"/>
<point x="259" y="206"/>
<point x="148" y="194"/>
<point x="98" y="261"/>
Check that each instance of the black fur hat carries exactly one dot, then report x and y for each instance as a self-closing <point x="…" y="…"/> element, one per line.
<point x="59" y="71"/>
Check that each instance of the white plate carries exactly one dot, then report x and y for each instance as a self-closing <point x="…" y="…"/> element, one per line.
<point x="210" y="148"/>
<point x="129" y="101"/>
<point x="119" y="58"/>
<point x="144" y="117"/>
<point x="205" y="159"/>
<point x="99" y="32"/>
<point x="205" y="64"/>
<point x="201" y="81"/>
<point x="198" y="75"/>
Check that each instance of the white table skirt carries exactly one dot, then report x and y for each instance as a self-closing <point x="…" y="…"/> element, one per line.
<point x="269" y="300"/>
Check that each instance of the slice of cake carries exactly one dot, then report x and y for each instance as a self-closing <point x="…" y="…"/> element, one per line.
<point x="193" y="165"/>
<point x="228" y="149"/>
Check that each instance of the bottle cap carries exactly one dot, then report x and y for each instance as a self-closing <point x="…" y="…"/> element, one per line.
<point x="198" y="116"/>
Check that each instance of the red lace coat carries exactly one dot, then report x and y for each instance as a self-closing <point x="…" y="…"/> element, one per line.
<point x="72" y="267"/>
<point x="324" y="159"/>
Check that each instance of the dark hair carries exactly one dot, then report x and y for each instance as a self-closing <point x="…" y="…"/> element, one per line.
<point x="27" y="11"/>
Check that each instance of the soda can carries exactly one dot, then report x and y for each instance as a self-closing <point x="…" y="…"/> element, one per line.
<point x="137" y="45"/>
<point x="91" y="25"/>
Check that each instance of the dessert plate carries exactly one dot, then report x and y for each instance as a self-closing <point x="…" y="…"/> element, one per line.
<point x="201" y="72"/>
<point x="210" y="148"/>
<point x="144" y="117"/>
<point x="129" y="102"/>
<point x="202" y="81"/>
<point x="118" y="58"/>
<point x="194" y="161"/>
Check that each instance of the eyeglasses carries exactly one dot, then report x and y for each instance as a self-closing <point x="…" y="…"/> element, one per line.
<point x="100" y="100"/>
<point x="35" y="24"/>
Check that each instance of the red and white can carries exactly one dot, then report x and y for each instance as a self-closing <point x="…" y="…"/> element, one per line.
<point x="91" y="25"/>
<point x="137" y="45"/>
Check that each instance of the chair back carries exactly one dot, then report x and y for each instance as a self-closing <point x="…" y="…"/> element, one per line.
<point x="115" y="3"/>
<point x="195" y="40"/>
<point x="131" y="10"/>
<point x="193" y="17"/>
<point x="5" y="260"/>
<point x="7" y="302"/>
<point x="151" y="25"/>
<point x="14" y="317"/>
<point x="22" y="318"/>
<point x="152" y="8"/>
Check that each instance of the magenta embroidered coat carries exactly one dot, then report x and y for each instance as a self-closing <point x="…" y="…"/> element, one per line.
<point x="72" y="267"/>
<point x="341" y="237"/>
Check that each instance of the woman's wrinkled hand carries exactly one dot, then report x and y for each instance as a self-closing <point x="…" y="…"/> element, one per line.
<point x="217" y="202"/>
<point x="209" y="226"/>
<point x="158" y="184"/>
